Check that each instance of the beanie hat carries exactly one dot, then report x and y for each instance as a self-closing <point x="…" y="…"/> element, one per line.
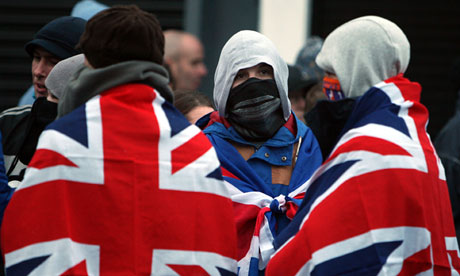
<point x="306" y="60"/>
<point x="59" y="37"/>
<point x="364" y="52"/>
<point x="59" y="76"/>
<point x="297" y="80"/>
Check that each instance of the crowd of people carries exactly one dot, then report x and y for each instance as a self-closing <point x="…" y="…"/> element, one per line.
<point x="122" y="166"/>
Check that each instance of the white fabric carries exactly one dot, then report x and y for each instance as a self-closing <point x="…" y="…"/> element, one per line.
<point x="243" y="50"/>
<point x="363" y="52"/>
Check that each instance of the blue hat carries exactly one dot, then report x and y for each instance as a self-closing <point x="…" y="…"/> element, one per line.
<point x="59" y="37"/>
<point x="306" y="59"/>
<point x="87" y="9"/>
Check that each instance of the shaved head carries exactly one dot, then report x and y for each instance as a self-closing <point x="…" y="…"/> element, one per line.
<point x="184" y="56"/>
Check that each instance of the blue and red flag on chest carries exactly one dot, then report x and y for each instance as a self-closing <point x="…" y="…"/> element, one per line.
<point x="379" y="204"/>
<point x="123" y="185"/>
<point x="259" y="213"/>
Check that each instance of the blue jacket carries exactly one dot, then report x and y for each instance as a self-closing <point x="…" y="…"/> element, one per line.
<point x="277" y="151"/>
<point x="5" y="191"/>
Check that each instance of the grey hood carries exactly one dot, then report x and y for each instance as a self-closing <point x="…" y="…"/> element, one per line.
<point x="364" y="52"/>
<point x="87" y="82"/>
<point x="59" y="76"/>
<point x="243" y="50"/>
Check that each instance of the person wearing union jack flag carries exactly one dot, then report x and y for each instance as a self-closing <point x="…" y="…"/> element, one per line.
<point x="379" y="203"/>
<point x="266" y="152"/>
<point x="121" y="183"/>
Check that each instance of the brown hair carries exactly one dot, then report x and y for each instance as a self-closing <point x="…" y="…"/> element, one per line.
<point x="185" y="100"/>
<point x="122" y="33"/>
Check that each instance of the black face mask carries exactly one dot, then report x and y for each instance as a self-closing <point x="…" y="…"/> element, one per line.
<point x="254" y="109"/>
<point x="43" y="112"/>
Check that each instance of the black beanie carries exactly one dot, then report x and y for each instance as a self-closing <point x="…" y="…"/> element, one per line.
<point x="59" y="37"/>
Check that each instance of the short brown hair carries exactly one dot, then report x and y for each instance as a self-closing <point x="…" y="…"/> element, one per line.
<point x="122" y="33"/>
<point x="186" y="100"/>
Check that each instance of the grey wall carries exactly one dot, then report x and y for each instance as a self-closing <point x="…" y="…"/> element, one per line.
<point x="214" y="22"/>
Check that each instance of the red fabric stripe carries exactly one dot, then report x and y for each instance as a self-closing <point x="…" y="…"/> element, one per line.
<point x="227" y="173"/>
<point x="44" y="158"/>
<point x="183" y="156"/>
<point x="368" y="143"/>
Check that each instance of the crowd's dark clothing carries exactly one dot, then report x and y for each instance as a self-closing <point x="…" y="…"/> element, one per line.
<point x="326" y="120"/>
<point x="447" y="145"/>
<point x="5" y="190"/>
<point x="20" y="127"/>
<point x="13" y="126"/>
<point x="5" y="194"/>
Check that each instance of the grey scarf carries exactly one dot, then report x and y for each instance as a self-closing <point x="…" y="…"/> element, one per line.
<point x="87" y="83"/>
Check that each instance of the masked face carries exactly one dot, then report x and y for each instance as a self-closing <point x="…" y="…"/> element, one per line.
<point x="331" y="87"/>
<point x="254" y="109"/>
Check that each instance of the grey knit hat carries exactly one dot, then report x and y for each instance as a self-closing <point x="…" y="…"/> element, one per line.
<point x="60" y="75"/>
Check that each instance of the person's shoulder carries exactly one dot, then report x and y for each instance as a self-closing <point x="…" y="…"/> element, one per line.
<point x="16" y="111"/>
<point x="449" y="135"/>
<point x="12" y="117"/>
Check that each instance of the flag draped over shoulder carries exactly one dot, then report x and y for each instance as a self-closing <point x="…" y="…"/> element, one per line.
<point x="258" y="213"/>
<point x="123" y="185"/>
<point x="379" y="204"/>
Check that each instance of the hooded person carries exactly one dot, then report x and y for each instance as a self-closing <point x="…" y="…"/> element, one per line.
<point x="60" y="76"/>
<point x="121" y="175"/>
<point x="379" y="203"/>
<point x="266" y="153"/>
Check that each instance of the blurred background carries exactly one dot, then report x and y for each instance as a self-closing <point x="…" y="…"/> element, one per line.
<point x="432" y="27"/>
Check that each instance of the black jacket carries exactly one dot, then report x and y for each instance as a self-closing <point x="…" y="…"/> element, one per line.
<point x="20" y="127"/>
<point x="447" y="145"/>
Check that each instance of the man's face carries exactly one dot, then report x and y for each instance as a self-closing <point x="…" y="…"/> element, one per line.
<point x="188" y="69"/>
<point x="42" y="63"/>
<point x="261" y="71"/>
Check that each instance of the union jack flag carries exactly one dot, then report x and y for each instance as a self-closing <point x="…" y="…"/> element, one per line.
<point x="379" y="204"/>
<point x="259" y="213"/>
<point x="123" y="185"/>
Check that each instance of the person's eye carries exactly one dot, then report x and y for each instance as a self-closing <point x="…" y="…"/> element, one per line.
<point x="266" y="71"/>
<point x="37" y="57"/>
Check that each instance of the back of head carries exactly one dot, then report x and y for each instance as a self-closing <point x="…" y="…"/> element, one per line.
<point x="363" y="52"/>
<point x="122" y="33"/>
<point x="185" y="100"/>
<point x="60" y="75"/>
<point x="173" y="40"/>
<point x="59" y="37"/>
<point x="243" y="50"/>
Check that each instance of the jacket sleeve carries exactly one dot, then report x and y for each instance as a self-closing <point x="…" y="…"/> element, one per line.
<point x="447" y="146"/>
<point x="5" y="190"/>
